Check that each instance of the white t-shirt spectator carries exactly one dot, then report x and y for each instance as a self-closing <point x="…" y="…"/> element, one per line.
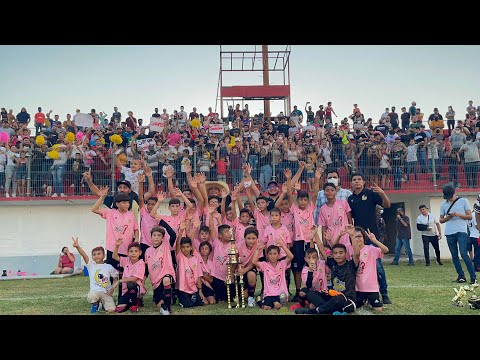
<point x="181" y="148"/>
<point x="10" y="156"/>
<point x="429" y="220"/>
<point x="472" y="227"/>
<point x="132" y="177"/>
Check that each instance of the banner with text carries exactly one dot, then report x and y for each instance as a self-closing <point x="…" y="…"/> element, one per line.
<point x="157" y="124"/>
<point x="216" y="129"/>
<point x="145" y="143"/>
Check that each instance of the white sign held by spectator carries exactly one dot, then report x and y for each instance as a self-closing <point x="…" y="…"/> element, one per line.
<point x="85" y="120"/>
<point x="216" y="129"/>
<point x="145" y="143"/>
<point x="157" y="124"/>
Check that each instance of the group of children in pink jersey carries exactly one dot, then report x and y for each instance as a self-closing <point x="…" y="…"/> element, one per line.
<point x="184" y="255"/>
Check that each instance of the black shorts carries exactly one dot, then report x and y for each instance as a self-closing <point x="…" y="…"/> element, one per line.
<point x="373" y="299"/>
<point x="298" y="251"/>
<point x="269" y="300"/>
<point x="207" y="292"/>
<point x="158" y="292"/>
<point x="189" y="300"/>
<point x="110" y="260"/>
<point x="124" y="299"/>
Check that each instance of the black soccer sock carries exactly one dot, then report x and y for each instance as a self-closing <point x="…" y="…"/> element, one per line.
<point x="167" y="293"/>
<point x="251" y="290"/>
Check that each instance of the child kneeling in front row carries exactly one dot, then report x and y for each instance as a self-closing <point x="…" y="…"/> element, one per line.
<point x="275" y="285"/>
<point x="101" y="289"/>
<point x="132" y="287"/>
<point x="342" y="297"/>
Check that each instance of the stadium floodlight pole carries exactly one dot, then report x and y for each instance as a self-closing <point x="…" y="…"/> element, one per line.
<point x="433" y="167"/>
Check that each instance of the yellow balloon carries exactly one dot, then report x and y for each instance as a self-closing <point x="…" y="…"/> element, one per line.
<point x="53" y="154"/>
<point x="195" y="123"/>
<point x="40" y="140"/>
<point x="102" y="140"/>
<point x="116" y="139"/>
<point x="56" y="146"/>
<point x="70" y="136"/>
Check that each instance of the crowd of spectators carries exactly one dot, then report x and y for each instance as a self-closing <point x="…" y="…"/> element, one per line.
<point x="403" y="147"/>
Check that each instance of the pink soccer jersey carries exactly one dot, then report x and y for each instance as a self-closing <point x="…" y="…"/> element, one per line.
<point x="262" y="222"/>
<point x="147" y="222"/>
<point x="174" y="222"/>
<point x="245" y="254"/>
<point x="119" y="226"/>
<point x="188" y="273"/>
<point x="303" y="222"/>
<point x="239" y="231"/>
<point x="133" y="270"/>
<point x="289" y="222"/>
<point x="274" y="278"/>
<point x="216" y="223"/>
<point x="159" y="263"/>
<point x="272" y="235"/>
<point x="367" y="280"/>
<point x="206" y="267"/>
<point x="335" y="219"/>
<point x="319" y="281"/>
<point x="220" y="257"/>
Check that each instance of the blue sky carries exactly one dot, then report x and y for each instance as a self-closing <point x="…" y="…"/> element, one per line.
<point x="140" y="78"/>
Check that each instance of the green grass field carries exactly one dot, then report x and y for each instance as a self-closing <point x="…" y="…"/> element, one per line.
<point x="416" y="290"/>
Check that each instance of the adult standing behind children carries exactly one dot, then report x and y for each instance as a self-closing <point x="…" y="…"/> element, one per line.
<point x="363" y="203"/>
<point x="454" y="213"/>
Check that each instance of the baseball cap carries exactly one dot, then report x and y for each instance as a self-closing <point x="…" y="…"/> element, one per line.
<point x="272" y="183"/>
<point x="400" y="209"/>
<point x="448" y="191"/>
<point x="124" y="182"/>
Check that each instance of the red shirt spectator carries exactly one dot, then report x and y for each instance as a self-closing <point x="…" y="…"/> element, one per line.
<point x="40" y="117"/>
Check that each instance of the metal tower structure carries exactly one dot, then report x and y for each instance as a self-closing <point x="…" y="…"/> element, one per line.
<point x="265" y="61"/>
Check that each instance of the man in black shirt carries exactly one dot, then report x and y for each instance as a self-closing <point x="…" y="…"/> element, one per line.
<point x="405" y="116"/>
<point x="363" y="203"/>
<point x="382" y="127"/>
<point x="156" y="114"/>
<point x="283" y="128"/>
<point x="393" y="118"/>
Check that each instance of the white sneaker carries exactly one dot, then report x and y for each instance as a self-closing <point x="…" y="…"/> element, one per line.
<point x="283" y="298"/>
<point x="14" y="195"/>
<point x="251" y="301"/>
<point x="164" y="312"/>
<point x="63" y="195"/>
<point x="55" y="195"/>
<point x="7" y="195"/>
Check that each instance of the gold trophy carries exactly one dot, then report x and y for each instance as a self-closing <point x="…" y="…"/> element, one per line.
<point x="233" y="276"/>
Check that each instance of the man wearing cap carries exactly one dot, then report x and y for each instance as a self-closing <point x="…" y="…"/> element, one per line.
<point x="123" y="186"/>
<point x="342" y="194"/>
<point x="363" y="204"/>
<point x="404" y="234"/>
<point x="272" y="192"/>
<point x="476" y="208"/>
<point x="432" y="234"/>
<point x="454" y="213"/>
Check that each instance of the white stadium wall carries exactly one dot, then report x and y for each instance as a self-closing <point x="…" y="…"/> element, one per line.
<point x="32" y="233"/>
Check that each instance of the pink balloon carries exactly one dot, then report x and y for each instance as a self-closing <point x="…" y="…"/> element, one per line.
<point x="79" y="135"/>
<point x="4" y="137"/>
